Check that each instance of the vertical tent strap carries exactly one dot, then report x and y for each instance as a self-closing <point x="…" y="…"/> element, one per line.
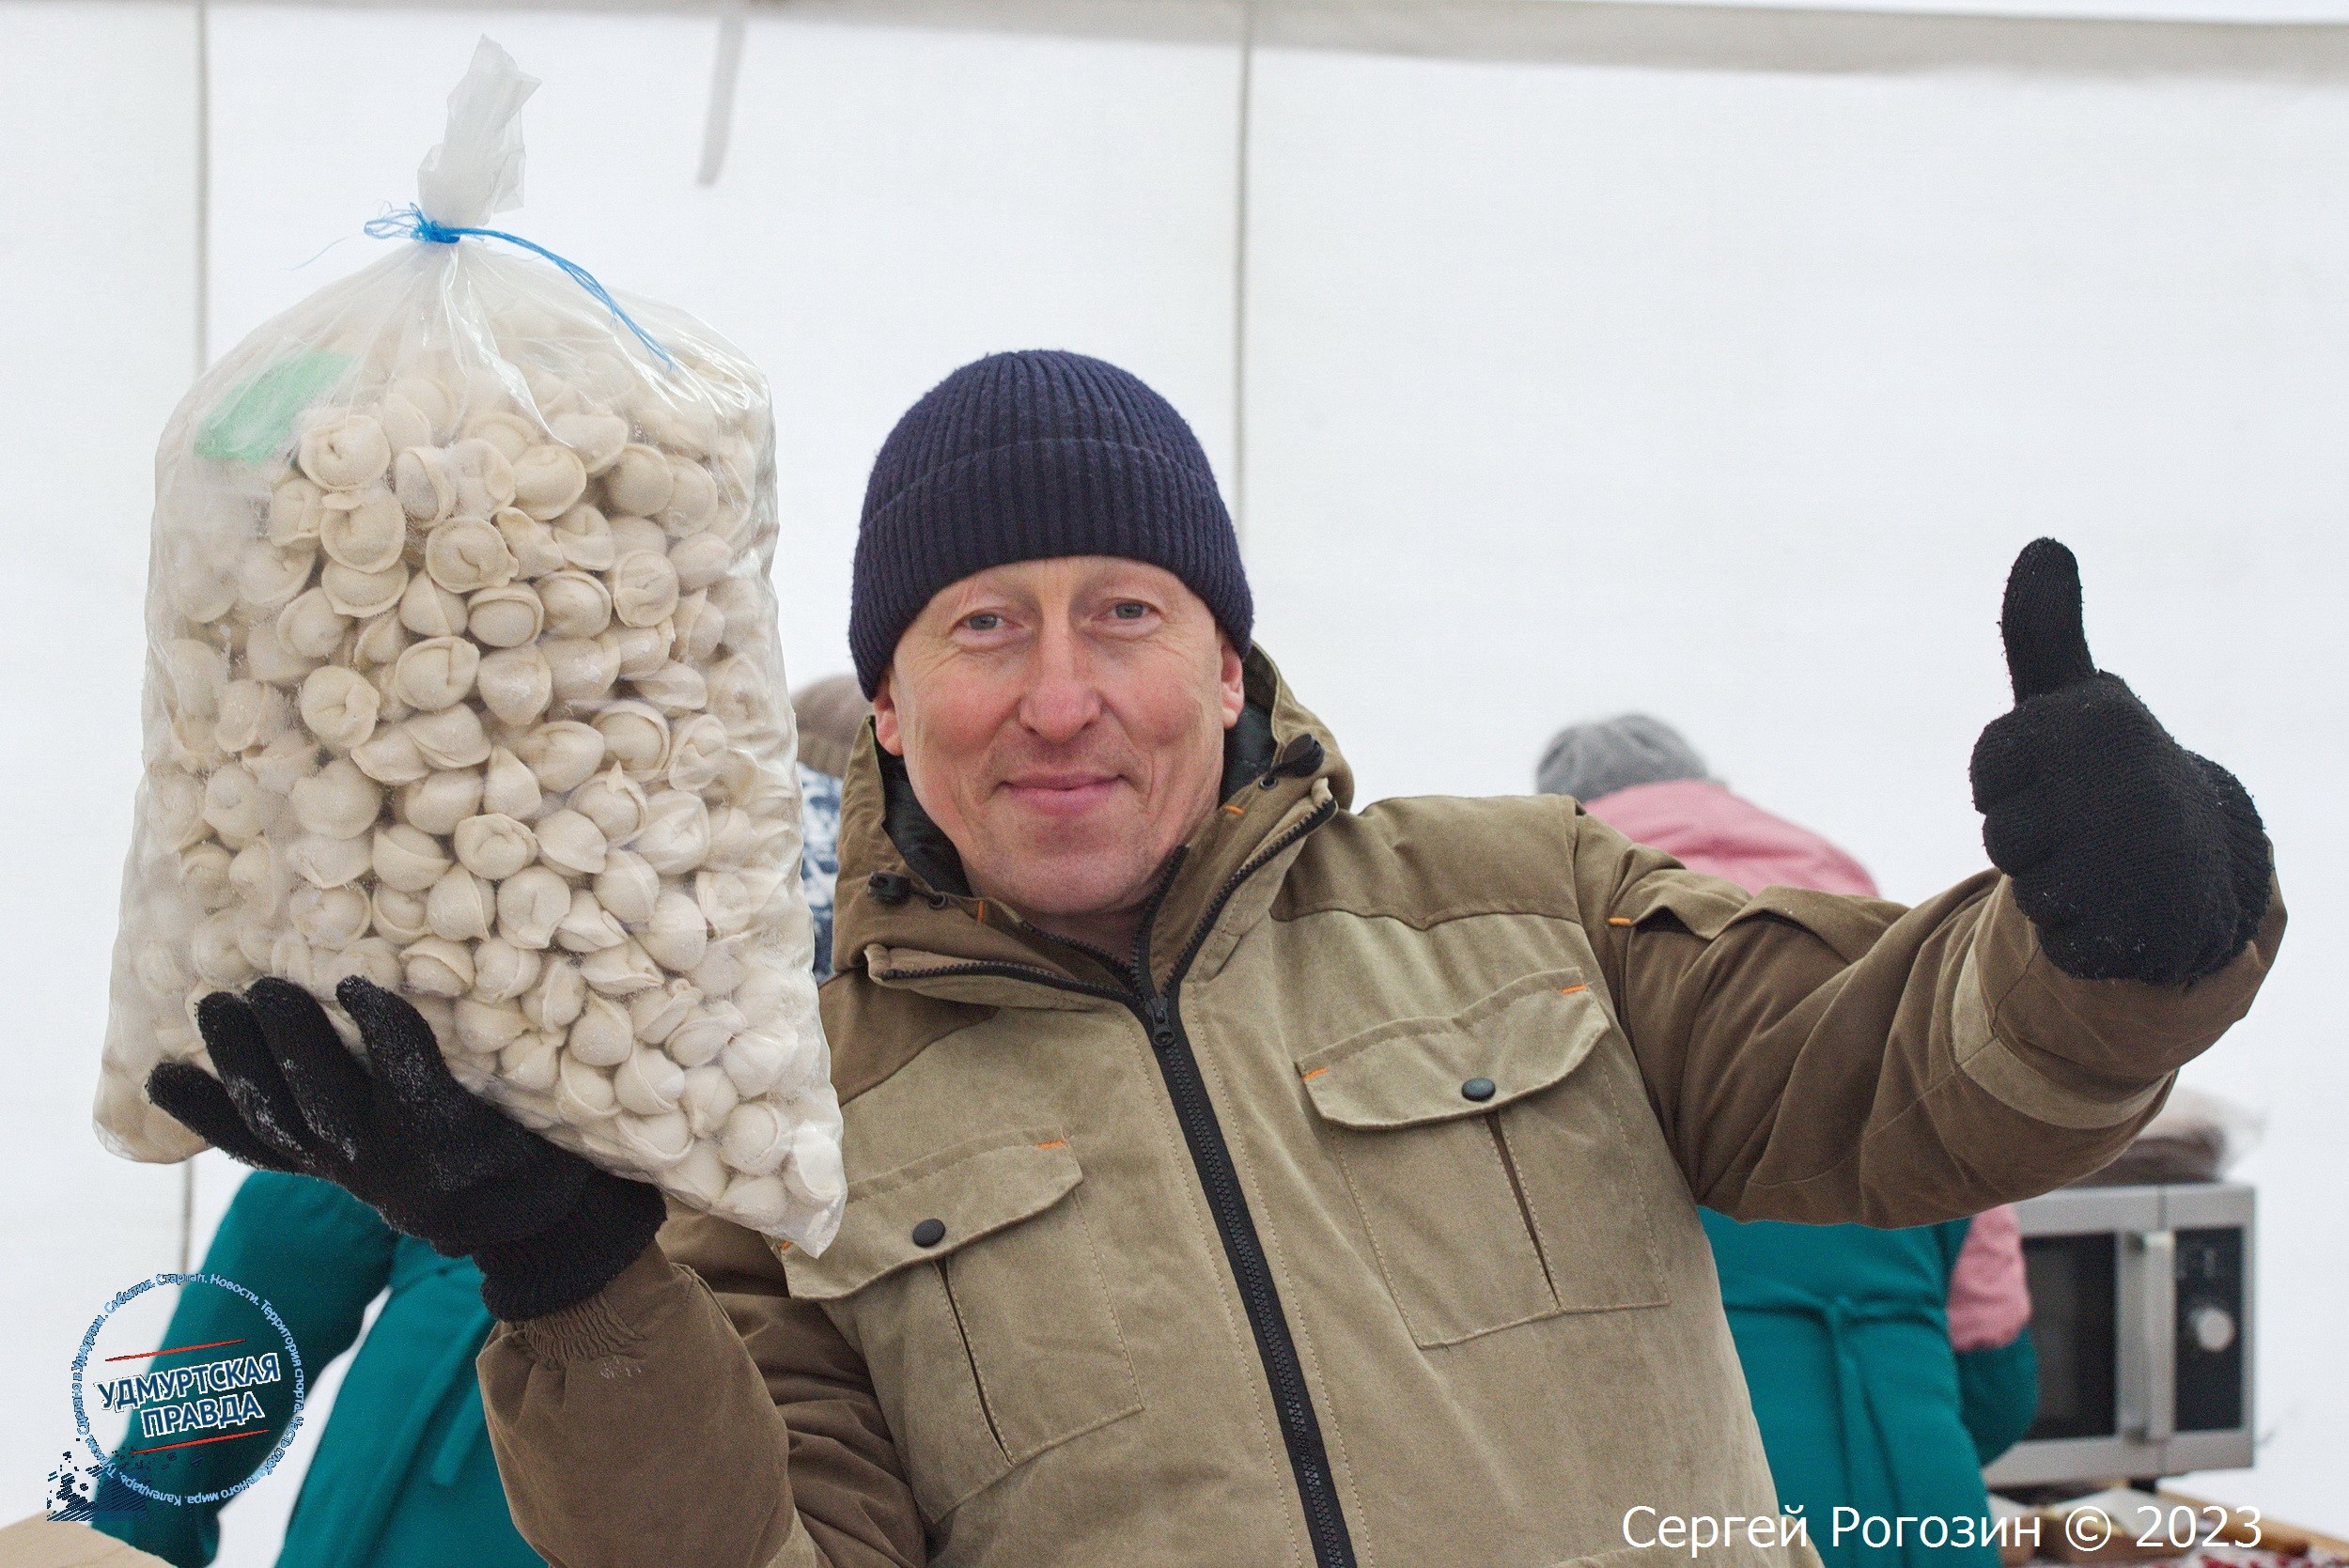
<point x="202" y="353"/>
<point x="724" y="74"/>
<point x="1247" y="94"/>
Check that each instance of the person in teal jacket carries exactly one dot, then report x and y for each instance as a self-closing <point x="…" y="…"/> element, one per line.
<point x="1886" y="1367"/>
<point x="1862" y="1401"/>
<point x="402" y="1476"/>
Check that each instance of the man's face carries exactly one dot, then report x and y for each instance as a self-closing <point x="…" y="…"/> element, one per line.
<point x="1062" y="721"/>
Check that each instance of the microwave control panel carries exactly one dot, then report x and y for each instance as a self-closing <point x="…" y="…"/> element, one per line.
<point x="2209" y="1329"/>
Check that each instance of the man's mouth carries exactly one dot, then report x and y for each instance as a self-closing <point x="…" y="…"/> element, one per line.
<point x="1060" y="793"/>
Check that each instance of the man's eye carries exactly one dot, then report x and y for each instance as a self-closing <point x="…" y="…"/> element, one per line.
<point x="1131" y="611"/>
<point x="985" y="620"/>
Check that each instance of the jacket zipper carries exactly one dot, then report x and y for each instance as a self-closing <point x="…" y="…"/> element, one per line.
<point x="1211" y="1159"/>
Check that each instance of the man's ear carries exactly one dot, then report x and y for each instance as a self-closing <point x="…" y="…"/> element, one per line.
<point x="1234" y="685"/>
<point x="885" y="718"/>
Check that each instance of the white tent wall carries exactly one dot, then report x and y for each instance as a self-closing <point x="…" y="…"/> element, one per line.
<point x="1569" y="386"/>
<point x="97" y="343"/>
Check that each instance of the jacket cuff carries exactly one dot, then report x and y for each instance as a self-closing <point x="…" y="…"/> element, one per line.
<point x="2086" y="1054"/>
<point x="607" y="1225"/>
<point x="607" y="1322"/>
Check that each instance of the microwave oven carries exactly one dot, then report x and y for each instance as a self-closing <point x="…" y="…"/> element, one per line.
<point x="2141" y="1312"/>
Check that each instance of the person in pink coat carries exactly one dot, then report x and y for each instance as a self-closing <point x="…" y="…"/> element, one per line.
<point x="1886" y="1367"/>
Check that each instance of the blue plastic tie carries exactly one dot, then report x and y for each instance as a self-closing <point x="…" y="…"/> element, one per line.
<point x="411" y="224"/>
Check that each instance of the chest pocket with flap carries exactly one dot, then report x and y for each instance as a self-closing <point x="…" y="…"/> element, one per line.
<point x="1497" y="1158"/>
<point x="978" y="1298"/>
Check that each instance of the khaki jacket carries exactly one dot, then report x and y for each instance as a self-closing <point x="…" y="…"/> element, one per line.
<point x="1354" y="1223"/>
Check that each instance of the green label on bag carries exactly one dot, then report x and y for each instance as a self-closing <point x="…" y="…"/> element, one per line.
<point x="252" y="423"/>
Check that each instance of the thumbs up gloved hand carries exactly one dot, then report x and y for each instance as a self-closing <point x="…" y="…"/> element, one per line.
<point x="2134" y="857"/>
<point x="546" y="1228"/>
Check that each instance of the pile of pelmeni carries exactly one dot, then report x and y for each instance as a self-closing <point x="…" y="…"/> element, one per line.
<point x="464" y="676"/>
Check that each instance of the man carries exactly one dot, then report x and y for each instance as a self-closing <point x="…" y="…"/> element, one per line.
<point x="1237" y="1178"/>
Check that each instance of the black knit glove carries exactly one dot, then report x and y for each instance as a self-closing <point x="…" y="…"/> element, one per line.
<point x="546" y="1228"/>
<point x="2135" y="859"/>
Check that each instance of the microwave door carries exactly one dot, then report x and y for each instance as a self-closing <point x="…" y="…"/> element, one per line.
<point x="2091" y="1276"/>
<point x="2075" y="1307"/>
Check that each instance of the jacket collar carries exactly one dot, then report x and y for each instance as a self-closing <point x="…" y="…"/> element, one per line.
<point x="903" y="907"/>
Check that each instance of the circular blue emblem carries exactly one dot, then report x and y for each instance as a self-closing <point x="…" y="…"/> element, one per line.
<point x="106" y="1462"/>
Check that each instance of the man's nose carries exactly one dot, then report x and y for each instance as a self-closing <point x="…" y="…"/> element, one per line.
<point x="1062" y="696"/>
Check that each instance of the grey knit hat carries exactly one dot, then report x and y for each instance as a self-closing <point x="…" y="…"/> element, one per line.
<point x="1604" y="755"/>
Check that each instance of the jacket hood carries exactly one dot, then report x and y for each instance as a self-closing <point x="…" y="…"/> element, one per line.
<point x="901" y="881"/>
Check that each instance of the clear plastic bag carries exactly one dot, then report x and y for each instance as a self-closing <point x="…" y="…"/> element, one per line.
<point x="463" y="675"/>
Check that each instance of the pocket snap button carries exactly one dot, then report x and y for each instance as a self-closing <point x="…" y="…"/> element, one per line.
<point x="1479" y="1089"/>
<point x="930" y="1233"/>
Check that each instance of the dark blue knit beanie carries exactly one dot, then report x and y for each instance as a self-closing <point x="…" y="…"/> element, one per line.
<point x="1022" y="456"/>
